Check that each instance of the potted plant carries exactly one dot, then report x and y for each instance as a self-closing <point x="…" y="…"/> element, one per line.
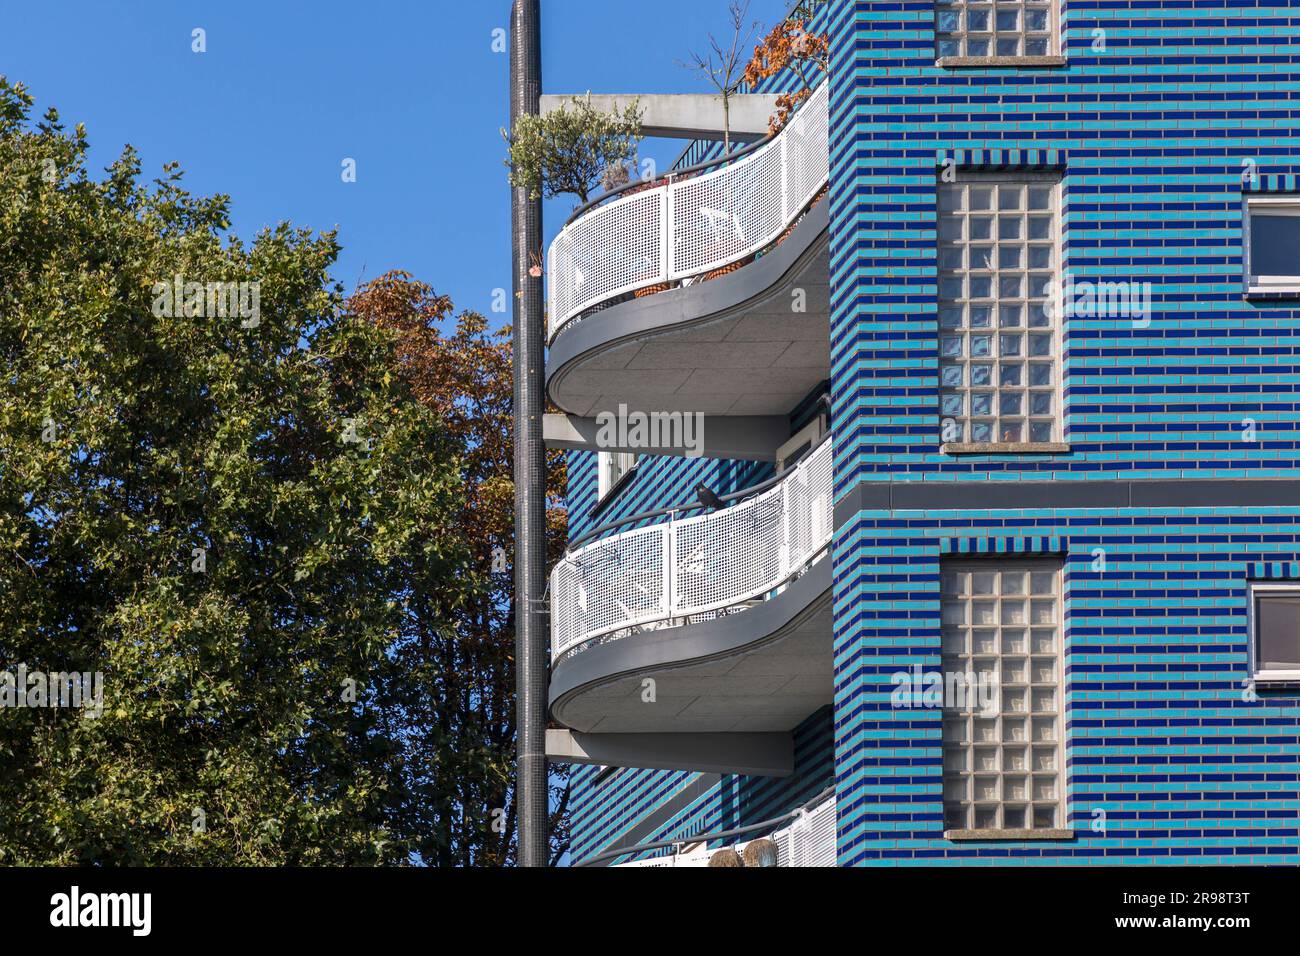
<point x="572" y="149"/>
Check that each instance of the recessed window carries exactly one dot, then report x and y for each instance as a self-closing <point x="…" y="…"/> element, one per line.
<point x="1275" y="632"/>
<point x="1019" y="28"/>
<point x="999" y="336"/>
<point x="1002" y="622"/>
<point x="613" y="468"/>
<point x="1273" y="244"/>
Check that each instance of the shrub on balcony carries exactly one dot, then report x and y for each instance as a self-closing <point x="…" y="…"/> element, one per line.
<point x="573" y="149"/>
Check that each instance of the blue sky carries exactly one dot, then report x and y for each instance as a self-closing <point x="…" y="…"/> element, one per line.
<point x="409" y="89"/>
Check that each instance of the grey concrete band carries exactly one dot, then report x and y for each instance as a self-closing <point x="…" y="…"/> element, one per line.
<point x="763" y="754"/>
<point x="991" y="495"/>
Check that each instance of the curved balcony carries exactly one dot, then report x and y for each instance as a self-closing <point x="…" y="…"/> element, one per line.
<point x="675" y="295"/>
<point x="728" y="612"/>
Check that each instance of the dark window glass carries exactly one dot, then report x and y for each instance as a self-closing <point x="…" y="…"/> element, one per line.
<point x="1277" y="632"/>
<point x="1274" y="245"/>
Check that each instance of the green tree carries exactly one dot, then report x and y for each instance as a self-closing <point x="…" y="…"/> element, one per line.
<point x="228" y="517"/>
<point x="463" y="673"/>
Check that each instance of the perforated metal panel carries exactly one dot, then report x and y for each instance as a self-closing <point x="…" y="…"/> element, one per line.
<point x="807" y="142"/>
<point x="613" y="249"/>
<point x="728" y="556"/>
<point x="613" y="584"/>
<point x="808" y="496"/>
<point x="690" y="227"/>
<point x="810" y="839"/>
<point x="727" y="214"/>
<point x="710" y="563"/>
<point x="697" y="856"/>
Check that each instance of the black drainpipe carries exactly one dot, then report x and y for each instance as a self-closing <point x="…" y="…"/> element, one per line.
<point x="531" y="639"/>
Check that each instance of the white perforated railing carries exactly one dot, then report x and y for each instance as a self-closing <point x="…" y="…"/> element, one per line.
<point x="692" y="226"/>
<point x="661" y="575"/>
<point x="810" y="839"/>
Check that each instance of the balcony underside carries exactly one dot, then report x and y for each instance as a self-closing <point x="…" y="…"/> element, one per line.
<point x="734" y="345"/>
<point x="763" y="670"/>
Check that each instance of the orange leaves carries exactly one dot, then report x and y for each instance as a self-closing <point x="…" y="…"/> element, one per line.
<point x="786" y="104"/>
<point x="458" y="366"/>
<point x="788" y="46"/>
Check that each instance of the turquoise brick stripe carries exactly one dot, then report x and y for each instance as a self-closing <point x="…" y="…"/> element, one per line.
<point x="1002" y="159"/>
<point x="1273" y="183"/>
<point x="1275" y="570"/>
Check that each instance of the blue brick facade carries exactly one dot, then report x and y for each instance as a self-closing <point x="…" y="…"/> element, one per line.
<point x="1151" y="134"/>
<point x="606" y="811"/>
<point x="1170" y="755"/>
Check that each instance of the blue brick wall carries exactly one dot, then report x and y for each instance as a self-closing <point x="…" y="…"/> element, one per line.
<point x="1152" y="134"/>
<point x="602" y="813"/>
<point x="1160" y="733"/>
<point x="657" y="482"/>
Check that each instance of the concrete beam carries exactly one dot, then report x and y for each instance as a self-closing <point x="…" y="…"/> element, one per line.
<point x="756" y="755"/>
<point x="743" y="437"/>
<point x="685" y="115"/>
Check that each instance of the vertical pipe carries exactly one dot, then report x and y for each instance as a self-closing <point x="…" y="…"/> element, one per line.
<point x="531" y="641"/>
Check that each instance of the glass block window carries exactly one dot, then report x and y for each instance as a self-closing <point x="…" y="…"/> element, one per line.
<point x="1002" y="768"/>
<point x="999" y="338"/>
<point x="1013" y="28"/>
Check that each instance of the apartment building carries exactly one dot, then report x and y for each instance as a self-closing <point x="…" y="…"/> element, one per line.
<point x="932" y="489"/>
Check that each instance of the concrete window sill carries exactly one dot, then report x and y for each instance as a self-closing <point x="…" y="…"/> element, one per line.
<point x="997" y="62"/>
<point x="1266" y="294"/>
<point x="1002" y="835"/>
<point x="1288" y="679"/>
<point x="1003" y="448"/>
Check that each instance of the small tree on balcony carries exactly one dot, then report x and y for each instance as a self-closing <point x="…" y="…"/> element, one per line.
<point x="721" y="64"/>
<point x="572" y="149"/>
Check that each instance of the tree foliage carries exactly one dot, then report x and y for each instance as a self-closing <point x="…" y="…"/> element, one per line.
<point x="258" y="532"/>
<point x="461" y="370"/>
<point x="570" y="149"/>
<point x="790" y="46"/>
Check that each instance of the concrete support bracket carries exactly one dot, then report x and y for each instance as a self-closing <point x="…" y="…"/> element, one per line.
<point x="752" y="754"/>
<point x="685" y="115"/>
<point x="679" y="434"/>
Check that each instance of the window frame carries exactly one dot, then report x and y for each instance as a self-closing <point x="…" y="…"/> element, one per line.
<point x="1027" y="178"/>
<point x="1054" y="57"/>
<point x="607" y="487"/>
<point x="1290" y="206"/>
<point x="1253" y="592"/>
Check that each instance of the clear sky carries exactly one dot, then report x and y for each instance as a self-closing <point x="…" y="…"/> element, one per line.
<point x="288" y="89"/>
